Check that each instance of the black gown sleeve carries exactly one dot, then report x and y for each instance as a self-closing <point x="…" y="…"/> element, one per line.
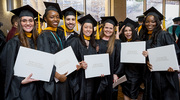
<point x="118" y="66"/>
<point x="8" y="58"/>
<point x="14" y="90"/>
<point x="168" y="39"/>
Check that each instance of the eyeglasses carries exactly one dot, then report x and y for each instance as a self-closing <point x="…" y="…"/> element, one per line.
<point x="25" y="21"/>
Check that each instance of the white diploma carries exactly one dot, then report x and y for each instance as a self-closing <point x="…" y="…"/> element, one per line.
<point x="161" y="58"/>
<point x="120" y="80"/>
<point x="65" y="61"/>
<point x="39" y="63"/>
<point x="131" y="52"/>
<point x="97" y="64"/>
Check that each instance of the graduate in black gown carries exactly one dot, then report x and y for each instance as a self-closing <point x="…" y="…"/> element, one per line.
<point x="68" y="34"/>
<point x="133" y="72"/>
<point x="85" y="46"/>
<point x="70" y="21"/>
<point x="39" y="28"/>
<point x="19" y="88"/>
<point x="2" y="43"/>
<point x="174" y="30"/>
<point x="164" y="85"/>
<point x="49" y="41"/>
<point x="108" y="44"/>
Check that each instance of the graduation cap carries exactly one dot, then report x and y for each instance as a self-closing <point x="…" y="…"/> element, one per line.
<point x="53" y="6"/>
<point x="25" y="11"/>
<point x="140" y="18"/>
<point x="70" y="11"/>
<point x="87" y="19"/>
<point x="176" y="19"/>
<point x="155" y="12"/>
<point x="110" y="19"/>
<point x="120" y="23"/>
<point x="41" y="20"/>
<point x="129" y="21"/>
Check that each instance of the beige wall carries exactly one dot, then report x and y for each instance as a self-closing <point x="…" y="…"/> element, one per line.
<point x="5" y="16"/>
<point x="118" y="9"/>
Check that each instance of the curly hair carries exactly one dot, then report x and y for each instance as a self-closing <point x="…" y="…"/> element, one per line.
<point x="156" y="30"/>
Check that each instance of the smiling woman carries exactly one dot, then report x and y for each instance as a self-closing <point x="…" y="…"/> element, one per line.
<point x="50" y="41"/>
<point x="27" y="23"/>
<point x="52" y="19"/>
<point x="150" y="23"/>
<point x="18" y="87"/>
<point x="156" y="37"/>
<point x="108" y="44"/>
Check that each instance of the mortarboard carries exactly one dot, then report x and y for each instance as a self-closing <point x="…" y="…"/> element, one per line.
<point x="25" y="11"/>
<point x="129" y="21"/>
<point x="53" y="6"/>
<point x="70" y="11"/>
<point x="176" y="19"/>
<point x="155" y="12"/>
<point x="140" y="18"/>
<point x="41" y="20"/>
<point x="87" y="19"/>
<point x="110" y="19"/>
<point x="120" y="23"/>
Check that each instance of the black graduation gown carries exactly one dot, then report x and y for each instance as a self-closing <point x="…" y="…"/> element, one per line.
<point x="14" y="90"/>
<point x="86" y="86"/>
<point x="2" y="40"/>
<point x="53" y="90"/>
<point x="105" y="87"/>
<point x="69" y="40"/>
<point x="165" y="85"/>
<point x="134" y="74"/>
<point x="71" y="78"/>
<point x="2" y="43"/>
<point x="147" y="74"/>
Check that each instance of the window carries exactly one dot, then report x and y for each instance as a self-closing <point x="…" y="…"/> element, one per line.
<point x="155" y="3"/>
<point x="134" y="8"/>
<point x="96" y="8"/>
<point x="172" y="10"/>
<point x="77" y="4"/>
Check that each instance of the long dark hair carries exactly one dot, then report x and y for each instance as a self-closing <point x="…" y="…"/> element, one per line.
<point x="92" y="38"/>
<point x="22" y="36"/>
<point x="155" y="32"/>
<point x="134" y="33"/>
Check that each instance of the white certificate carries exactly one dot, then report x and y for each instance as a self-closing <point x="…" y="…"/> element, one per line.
<point x="65" y="61"/>
<point x="39" y="63"/>
<point x="131" y="52"/>
<point x="120" y="80"/>
<point x="161" y="58"/>
<point x="97" y="64"/>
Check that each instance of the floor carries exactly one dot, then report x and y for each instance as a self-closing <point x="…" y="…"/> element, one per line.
<point x="121" y="96"/>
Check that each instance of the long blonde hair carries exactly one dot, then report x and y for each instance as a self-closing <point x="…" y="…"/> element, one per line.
<point x="111" y="41"/>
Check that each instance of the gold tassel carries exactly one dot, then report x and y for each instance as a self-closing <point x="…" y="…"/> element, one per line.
<point x="97" y="31"/>
<point x="76" y="21"/>
<point x="39" y="24"/>
<point x="64" y="27"/>
<point x="164" y="24"/>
